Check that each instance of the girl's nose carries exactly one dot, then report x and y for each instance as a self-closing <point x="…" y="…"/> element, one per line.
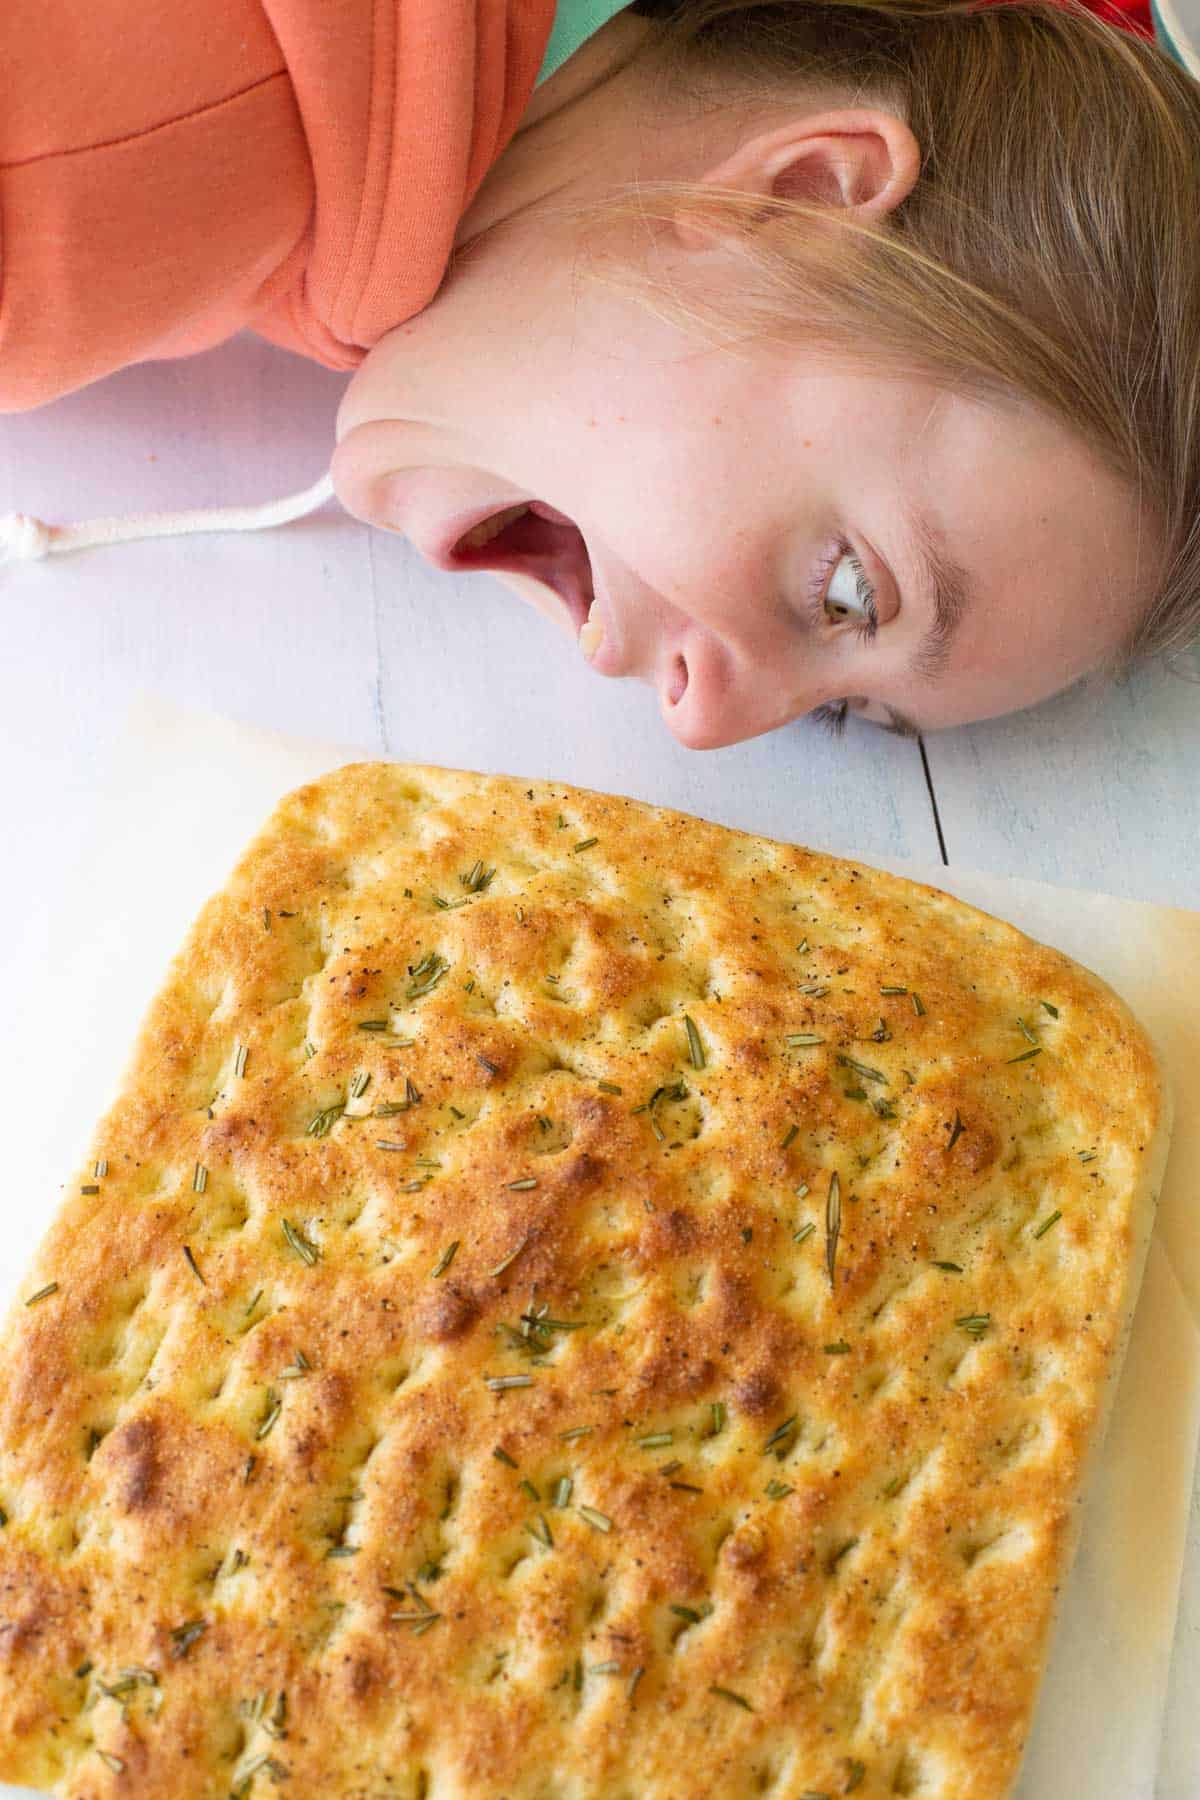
<point x="710" y="697"/>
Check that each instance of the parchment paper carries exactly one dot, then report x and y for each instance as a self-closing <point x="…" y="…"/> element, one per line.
<point x="187" y="793"/>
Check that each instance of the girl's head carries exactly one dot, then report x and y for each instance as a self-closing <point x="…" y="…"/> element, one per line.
<point x="827" y="355"/>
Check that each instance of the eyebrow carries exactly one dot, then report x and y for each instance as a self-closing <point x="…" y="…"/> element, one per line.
<point x="952" y="591"/>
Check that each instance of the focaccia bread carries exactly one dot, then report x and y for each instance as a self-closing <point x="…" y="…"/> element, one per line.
<point x="570" y="1303"/>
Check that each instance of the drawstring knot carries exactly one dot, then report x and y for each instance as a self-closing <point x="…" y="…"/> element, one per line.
<point x="23" y="539"/>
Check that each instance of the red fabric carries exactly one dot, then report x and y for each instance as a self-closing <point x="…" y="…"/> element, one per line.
<point x="1132" y="15"/>
<point x="172" y="172"/>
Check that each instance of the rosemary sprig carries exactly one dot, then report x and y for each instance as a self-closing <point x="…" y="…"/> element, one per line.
<point x="199" y="1178"/>
<point x="426" y="975"/>
<point x="193" y="1265"/>
<point x="322" y="1123"/>
<point x="1046" y="1224"/>
<point x="43" y="1293"/>
<point x="597" y="1520"/>
<point x="956" y="1130"/>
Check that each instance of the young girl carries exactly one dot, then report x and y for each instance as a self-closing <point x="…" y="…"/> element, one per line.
<point x="798" y="356"/>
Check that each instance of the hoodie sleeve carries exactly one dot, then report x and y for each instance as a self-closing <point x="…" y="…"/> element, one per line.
<point x="170" y="174"/>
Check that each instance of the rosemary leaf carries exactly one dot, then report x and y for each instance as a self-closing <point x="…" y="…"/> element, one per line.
<point x="510" y="1258"/>
<point x="446" y="1258"/>
<point x="695" y="1047"/>
<point x="833" y="1225"/>
<point x="974" y="1324"/>
<point x="725" y="1693"/>
<point x="864" y="1070"/>
<point x="306" y="1251"/>
<point x="781" y="1436"/>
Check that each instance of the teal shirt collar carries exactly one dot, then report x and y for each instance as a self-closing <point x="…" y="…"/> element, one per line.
<point x="574" y="23"/>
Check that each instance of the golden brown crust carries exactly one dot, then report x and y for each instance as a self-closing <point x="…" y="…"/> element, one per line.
<point x="733" y="1528"/>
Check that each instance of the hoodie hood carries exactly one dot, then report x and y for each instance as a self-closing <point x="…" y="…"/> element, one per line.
<point x="172" y="174"/>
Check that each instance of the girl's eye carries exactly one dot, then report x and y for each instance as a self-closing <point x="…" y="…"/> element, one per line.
<point x="849" y="595"/>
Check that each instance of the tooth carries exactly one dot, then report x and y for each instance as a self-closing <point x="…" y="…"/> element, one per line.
<point x="591" y="636"/>
<point x="487" y="529"/>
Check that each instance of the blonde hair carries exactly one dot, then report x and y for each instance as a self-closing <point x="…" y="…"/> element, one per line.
<point x="1050" y="249"/>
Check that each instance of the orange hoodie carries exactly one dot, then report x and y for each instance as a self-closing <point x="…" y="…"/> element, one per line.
<point x="171" y="173"/>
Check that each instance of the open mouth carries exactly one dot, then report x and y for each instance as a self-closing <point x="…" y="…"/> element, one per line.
<point x="535" y="540"/>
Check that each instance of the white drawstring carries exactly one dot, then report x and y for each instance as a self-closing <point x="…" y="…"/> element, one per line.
<point x="23" y="539"/>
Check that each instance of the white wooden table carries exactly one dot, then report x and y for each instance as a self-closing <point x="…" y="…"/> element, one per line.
<point x="330" y="631"/>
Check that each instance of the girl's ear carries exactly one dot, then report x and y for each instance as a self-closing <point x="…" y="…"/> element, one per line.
<point x="861" y="161"/>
